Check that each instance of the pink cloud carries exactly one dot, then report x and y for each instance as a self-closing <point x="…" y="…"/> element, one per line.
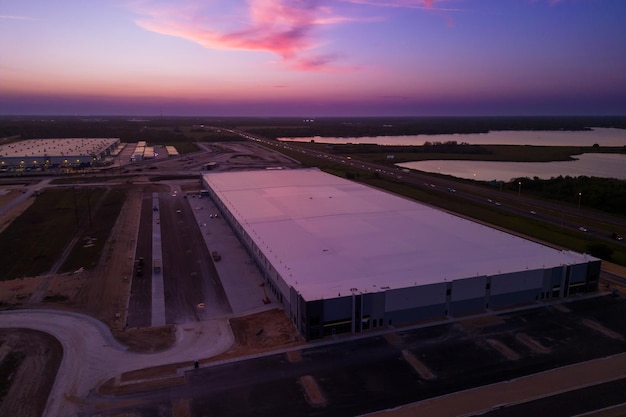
<point x="12" y="17"/>
<point x="432" y="6"/>
<point x="286" y="28"/>
<point x="320" y="63"/>
<point x="407" y="4"/>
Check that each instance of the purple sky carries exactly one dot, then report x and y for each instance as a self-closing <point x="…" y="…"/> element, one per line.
<point x="313" y="58"/>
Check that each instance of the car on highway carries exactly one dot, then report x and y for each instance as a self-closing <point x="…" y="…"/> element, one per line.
<point x="582" y="229"/>
<point x="617" y="236"/>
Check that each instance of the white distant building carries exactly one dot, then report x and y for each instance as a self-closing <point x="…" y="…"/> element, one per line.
<point x="38" y="153"/>
<point x="344" y="257"/>
<point x="171" y="151"/>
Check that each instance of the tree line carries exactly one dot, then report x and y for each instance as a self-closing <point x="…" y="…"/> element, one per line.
<point x="604" y="194"/>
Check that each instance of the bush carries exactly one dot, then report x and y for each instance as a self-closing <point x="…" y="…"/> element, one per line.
<point x="600" y="250"/>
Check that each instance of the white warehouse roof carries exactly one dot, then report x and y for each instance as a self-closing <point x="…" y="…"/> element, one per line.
<point x="328" y="236"/>
<point x="57" y="147"/>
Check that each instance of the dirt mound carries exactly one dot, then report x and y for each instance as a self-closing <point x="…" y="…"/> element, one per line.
<point x="150" y="339"/>
<point x="260" y="332"/>
<point x="263" y="330"/>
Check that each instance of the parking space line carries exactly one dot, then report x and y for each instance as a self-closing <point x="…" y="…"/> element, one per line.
<point x="531" y="343"/>
<point x="312" y="392"/>
<point x="423" y="370"/>
<point x="592" y="324"/>
<point x="504" y="350"/>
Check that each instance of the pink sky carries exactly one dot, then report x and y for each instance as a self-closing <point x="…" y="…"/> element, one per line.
<point x="307" y="57"/>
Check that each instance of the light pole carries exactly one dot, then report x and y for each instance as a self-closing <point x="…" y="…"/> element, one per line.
<point x="519" y="188"/>
<point x="580" y="195"/>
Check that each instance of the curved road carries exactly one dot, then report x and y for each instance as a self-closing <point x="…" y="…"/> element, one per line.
<point x="91" y="355"/>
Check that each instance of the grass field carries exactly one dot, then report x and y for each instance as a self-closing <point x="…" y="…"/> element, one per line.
<point x="502" y="153"/>
<point x="87" y="251"/>
<point x="35" y="240"/>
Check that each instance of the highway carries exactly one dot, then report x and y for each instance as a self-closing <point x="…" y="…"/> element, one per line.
<point x="556" y="214"/>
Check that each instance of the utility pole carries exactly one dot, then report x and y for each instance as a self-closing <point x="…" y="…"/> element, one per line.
<point x="89" y="206"/>
<point x="75" y="205"/>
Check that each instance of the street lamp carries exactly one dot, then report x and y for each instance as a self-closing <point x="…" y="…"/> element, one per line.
<point x="519" y="188"/>
<point x="580" y="195"/>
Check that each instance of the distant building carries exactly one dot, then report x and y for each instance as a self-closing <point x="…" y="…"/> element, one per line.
<point x="341" y="257"/>
<point x="42" y="153"/>
<point x="171" y="151"/>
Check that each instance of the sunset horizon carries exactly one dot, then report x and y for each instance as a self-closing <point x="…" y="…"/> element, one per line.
<point x="347" y="58"/>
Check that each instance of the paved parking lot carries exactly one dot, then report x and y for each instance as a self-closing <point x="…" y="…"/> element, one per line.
<point x="239" y="275"/>
<point x="357" y="376"/>
<point x="195" y="285"/>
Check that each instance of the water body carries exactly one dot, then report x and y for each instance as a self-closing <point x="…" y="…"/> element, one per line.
<point x="596" y="165"/>
<point x="601" y="136"/>
<point x="589" y="164"/>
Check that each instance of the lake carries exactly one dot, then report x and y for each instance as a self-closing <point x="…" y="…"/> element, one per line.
<point x="601" y="136"/>
<point x="596" y="165"/>
<point x="590" y="164"/>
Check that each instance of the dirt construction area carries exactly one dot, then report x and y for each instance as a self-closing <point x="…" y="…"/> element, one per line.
<point x="103" y="292"/>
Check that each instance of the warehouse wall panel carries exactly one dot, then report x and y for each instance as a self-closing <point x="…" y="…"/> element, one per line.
<point x="468" y="289"/>
<point x="472" y="305"/>
<point x="405" y="298"/>
<point x="415" y="314"/>
<point x="517" y="281"/>
<point x="337" y="309"/>
<point x="516" y="297"/>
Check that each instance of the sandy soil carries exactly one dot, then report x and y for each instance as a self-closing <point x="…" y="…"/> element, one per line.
<point x="15" y="292"/>
<point x="105" y="292"/>
<point x="260" y="332"/>
<point x="40" y="355"/>
<point x="147" y="340"/>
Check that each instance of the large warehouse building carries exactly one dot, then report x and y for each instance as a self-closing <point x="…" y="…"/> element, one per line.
<point x="38" y="153"/>
<point x="343" y="257"/>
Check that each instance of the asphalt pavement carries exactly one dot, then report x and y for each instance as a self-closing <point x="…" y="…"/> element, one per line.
<point x="557" y="351"/>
